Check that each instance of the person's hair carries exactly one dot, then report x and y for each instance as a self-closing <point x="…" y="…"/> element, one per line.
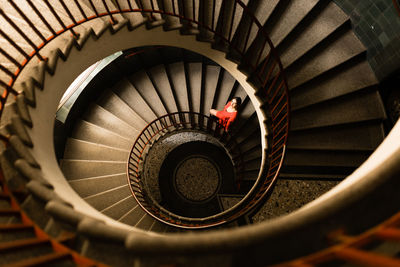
<point x="238" y="101"/>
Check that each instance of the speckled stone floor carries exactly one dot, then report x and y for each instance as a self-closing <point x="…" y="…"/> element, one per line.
<point x="158" y="154"/>
<point x="197" y="179"/>
<point x="289" y="195"/>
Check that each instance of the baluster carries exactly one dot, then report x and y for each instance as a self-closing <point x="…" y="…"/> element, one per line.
<point x="23" y="35"/>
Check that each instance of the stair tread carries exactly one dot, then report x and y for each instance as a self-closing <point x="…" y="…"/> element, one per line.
<point x="195" y="74"/>
<point x="78" y="169"/>
<point x="344" y="80"/>
<point x="128" y="93"/>
<point x="210" y="84"/>
<point x="359" y="107"/>
<point x="288" y="17"/>
<point x="160" y="78"/>
<point x="115" y="105"/>
<point x="335" y="50"/>
<point x="133" y="216"/>
<point x="323" y="23"/>
<point x="77" y="149"/>
<point x="86" y="131"/>
<point x="144" y="86"/>
<point x="325" y="158"/>
<point x="91" y="186"/>
<point x="362" y="137"/>
<point x="105" y="199"/>
<point x="178" y="79"/>
<point x="104" y="119"/>
<point x="120" y="208"/>
<point x="225" y="90"/>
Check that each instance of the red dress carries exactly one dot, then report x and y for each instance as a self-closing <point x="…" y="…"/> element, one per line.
<point x="225" y="117"/>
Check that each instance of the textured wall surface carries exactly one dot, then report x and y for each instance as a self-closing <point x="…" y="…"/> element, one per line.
<point x="377" y="24"/>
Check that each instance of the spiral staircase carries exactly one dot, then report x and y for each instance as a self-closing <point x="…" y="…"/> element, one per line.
<point x="261" y="50"/>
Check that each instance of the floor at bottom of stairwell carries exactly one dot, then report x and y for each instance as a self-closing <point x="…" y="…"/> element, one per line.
<point x="290" y="195"/>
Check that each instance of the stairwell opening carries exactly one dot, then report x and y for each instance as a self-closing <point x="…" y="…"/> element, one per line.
<point x="142" y="85"/>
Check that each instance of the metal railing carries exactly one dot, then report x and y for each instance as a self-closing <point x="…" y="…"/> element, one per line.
<point x="169" y="123"/>
<point x="249" y="44"/>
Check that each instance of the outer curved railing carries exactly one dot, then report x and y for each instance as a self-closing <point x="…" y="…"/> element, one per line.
<point x="13" y="70"/>
<point x="260" y="59"/>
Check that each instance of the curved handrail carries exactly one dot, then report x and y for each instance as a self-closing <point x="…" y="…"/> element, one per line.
<point x="166" y="124"/>
<point x="263" y="61"/>
<point x="177" y="121"/>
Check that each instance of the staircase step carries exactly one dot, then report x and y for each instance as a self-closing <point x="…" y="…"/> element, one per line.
<point x="135" y="18"/>
<point x="105" y="199"/>
<point x="194" y="75"/>
<point x="13" y="251"/>
<point x="133" y="216"/>
<point x="79" y="169"/>
<point x="176" y="72"/>
<point x="145" y="222"/>
<point x="15" y="232"/>
<point x="347" y="78"/>
<point x="210" y="79"/>
<point x="115" y="105"/>
<point x="349" y="109"/>
<point x="225" y="89"/>
<point x="338" y="48"/>
<point x="83" y="150"/>
<point x="160" y="78"/>
<point x="325" y="158"/>
<point x="104" y="119"/>
<point x="91" y="186"/>
<point x="319" y="23"/>
<point x="89" y="132"/>
<point x="144" y="86"/>
<point x="346" y="137"/>
<point x="128" y="93"/>
<point x="157" y="227"/>
<point x="120" y="208"/>
<point x="57" y="258"/>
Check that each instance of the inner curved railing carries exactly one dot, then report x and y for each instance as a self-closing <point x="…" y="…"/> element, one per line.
<point x="169" y="123"/>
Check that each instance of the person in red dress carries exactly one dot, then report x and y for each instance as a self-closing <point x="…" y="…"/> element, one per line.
<point x="228" y="115"/>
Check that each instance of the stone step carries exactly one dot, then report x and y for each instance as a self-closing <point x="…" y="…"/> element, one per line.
<point x="120" y="208"/>
<point x="194" y="76"/>
<point x="115" y="105"/>
<point x="79" y="169"/>
<point x="78" y="149"/>
<point x="315" y="27"/>
<point x="101" y="117"/>
<point x="350" y="109"/>
<point x="349" y="137"/>
<point x="176" y="72"/>
<point x="89" y="132"/>
<point x="160" y="79"/>
<point x="105" y="199"/>
<point x="341" y="46"/>
<point x="210" y="76"/>
<point x="145" y="88"/>
<point x="128" y="93"/>
<point x="349" y="77"/>
<point x="87" y="187"/>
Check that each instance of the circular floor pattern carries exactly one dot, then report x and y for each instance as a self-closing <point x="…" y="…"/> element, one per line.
<point x="197" y="178"/>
